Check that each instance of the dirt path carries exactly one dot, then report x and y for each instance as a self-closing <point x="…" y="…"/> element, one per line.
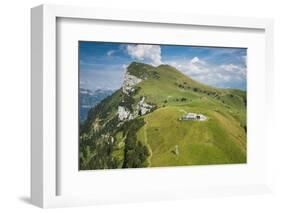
<point x="145" y="133"/>
<point x="145" y="141"/>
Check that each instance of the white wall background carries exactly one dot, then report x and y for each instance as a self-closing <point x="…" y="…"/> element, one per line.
<point x="15" y="105"/>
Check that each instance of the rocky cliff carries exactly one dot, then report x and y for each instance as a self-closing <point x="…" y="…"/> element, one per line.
<point x="129" y="112"/>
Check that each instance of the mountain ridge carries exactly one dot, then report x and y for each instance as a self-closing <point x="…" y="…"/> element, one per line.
<point x="122" y="129"/>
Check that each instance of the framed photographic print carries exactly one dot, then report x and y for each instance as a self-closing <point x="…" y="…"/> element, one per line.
<point x="148" y="105"/>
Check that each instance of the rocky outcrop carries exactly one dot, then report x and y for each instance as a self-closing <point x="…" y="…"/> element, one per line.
<point x="124" y="114"/>
<point x="143" y="107"/>
<point x="135" y="109"/>
<point x="129" y="82"/>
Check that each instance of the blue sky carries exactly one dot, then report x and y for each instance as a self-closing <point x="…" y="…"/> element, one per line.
<point x="103" y="64"/>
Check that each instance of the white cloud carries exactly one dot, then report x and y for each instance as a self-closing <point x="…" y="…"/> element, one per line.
<point x="197" y="66"/>
<point x="215" y="75"/>
<point x="124" y="66"/>
<point x="234" y="69"/>
<point x="149" y="53"/>
<point x="194" y="60"/>
<point x="110" y="52"/>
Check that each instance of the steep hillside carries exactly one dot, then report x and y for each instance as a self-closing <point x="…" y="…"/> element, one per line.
<point x="145" y="123"/>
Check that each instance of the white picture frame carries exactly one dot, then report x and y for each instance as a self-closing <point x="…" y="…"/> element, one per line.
<point x="44" y="155"/>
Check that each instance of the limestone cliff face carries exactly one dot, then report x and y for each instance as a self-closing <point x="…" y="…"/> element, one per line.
<point x="137" y="109"/>
<point x="124" y="114"/>
<point x="143" y="107"/>
<point x="129" y="82"/>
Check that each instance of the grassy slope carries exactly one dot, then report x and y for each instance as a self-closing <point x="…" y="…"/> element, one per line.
<point x="220" y="139"/>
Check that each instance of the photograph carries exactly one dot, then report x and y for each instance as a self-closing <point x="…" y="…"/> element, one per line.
<point x="161" y="105"/>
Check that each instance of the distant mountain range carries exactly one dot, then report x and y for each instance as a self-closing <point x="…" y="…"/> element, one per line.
<point x="89" y="99"/>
